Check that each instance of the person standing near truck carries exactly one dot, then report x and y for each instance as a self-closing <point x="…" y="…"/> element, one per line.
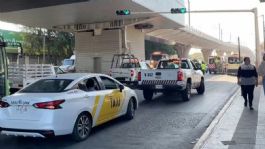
<point x="204" y="67"/>
<point x="247" y="77"/>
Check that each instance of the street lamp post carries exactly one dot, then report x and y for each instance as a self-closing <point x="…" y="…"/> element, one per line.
<point x="263" y="29"/>
<point x="43" y="48"/>
<point x="239" y="51"/>
<point x="189" y="11"/>
<point x="255" y="11"/>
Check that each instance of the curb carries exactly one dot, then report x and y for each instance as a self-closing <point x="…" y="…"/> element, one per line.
<point x="216" y="120"/>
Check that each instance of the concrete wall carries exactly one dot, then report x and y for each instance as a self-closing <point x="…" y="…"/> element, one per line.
<point x="88" y="47"/>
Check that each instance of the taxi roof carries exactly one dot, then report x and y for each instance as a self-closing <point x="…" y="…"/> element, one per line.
<point x="74" y="76"/>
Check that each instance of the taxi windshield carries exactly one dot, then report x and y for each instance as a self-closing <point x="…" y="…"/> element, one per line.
<point x="47" y="86"/>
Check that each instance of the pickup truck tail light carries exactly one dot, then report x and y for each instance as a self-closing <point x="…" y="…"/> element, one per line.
<point x="3" y="104"/>
<point x="139" y="76"/>
<point x="132" y="73"/>
<point x="51" y="105"/>
<point x="180" y="75"/>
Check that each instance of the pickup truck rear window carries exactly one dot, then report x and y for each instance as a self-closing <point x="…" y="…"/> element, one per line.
<point x="130" y="65"/>
<point x="185" y="65"/>
<point x="167" y="65"/>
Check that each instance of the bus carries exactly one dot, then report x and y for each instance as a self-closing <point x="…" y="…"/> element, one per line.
<point x="233" y="64"/>
<point x="4" y="84"/>
<point x="216" y="65"/>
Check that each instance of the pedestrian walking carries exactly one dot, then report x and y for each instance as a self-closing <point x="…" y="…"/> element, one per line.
<point x="261" y="71"/>
<point x="247" y="77"/>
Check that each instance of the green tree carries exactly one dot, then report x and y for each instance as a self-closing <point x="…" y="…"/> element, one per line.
<point x="58" y="45"/>
<point x="151" y="46"/>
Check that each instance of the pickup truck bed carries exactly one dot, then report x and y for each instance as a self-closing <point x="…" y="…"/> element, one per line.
<point x="161" y="79"/>
<point x="172" y="76"/>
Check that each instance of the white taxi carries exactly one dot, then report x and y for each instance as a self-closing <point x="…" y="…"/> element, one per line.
<point x="66" y="104"/>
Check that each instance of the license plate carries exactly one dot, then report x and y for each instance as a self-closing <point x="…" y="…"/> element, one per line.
<point x="158" y="77"/>
<point x="159" y="86"/>
<point x="127" y="79"/>
<point x="21" y="108"/>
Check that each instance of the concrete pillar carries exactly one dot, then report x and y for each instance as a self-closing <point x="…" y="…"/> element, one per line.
<point x="182" y="50"/>
<point x="96" y="51"/>
<point x="135" y="42"/>
<point x="206" y="53"/>
<point x="219" y="53"/>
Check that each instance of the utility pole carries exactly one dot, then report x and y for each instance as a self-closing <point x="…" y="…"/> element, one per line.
<point x="189" y="11"/>
<point x="219" y="31"/>
<point x="263" y="29"/>
<point x="258" y="54"/>
<point x="239" y="51"/>
<point x="44" y="42"/>
<point x="221" y="34"/>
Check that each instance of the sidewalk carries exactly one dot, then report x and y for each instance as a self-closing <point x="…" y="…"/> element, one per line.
<point x="237" y="127"/>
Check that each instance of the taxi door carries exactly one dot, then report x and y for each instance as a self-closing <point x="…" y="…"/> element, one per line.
<point x="113" y="100"/>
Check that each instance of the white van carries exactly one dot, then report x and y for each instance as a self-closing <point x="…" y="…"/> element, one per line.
<point x="68" y="64"/>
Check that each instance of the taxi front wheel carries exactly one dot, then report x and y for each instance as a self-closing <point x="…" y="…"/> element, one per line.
<point x="130" y="110"/>
<point x="83" y="126"/>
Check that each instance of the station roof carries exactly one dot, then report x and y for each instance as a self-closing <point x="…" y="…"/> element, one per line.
<point x="50" y="13"/>
<point x="54" y="13"/>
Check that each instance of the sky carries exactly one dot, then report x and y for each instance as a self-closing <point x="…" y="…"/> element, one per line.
<point x="10" y="26"/>
<point x="232" y="25"/>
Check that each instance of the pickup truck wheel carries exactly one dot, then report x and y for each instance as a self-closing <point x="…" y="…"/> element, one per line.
<point x="201" y="89"/>
<point x="186" y="94"/>
<point x="148" y="95"/>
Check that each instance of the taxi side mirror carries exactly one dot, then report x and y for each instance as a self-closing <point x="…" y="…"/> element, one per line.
<point x="121" y="88"/>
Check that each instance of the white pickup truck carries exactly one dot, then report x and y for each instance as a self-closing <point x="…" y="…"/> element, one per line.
<point x="172" y="75"/>
<point x="23" y="75"/>
<point x="125" y="68"/>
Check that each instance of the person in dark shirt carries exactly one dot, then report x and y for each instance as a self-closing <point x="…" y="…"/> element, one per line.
<point x="247" y="77"/>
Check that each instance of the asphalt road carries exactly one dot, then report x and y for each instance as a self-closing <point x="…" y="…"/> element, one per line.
<point x="164" y="123"/>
